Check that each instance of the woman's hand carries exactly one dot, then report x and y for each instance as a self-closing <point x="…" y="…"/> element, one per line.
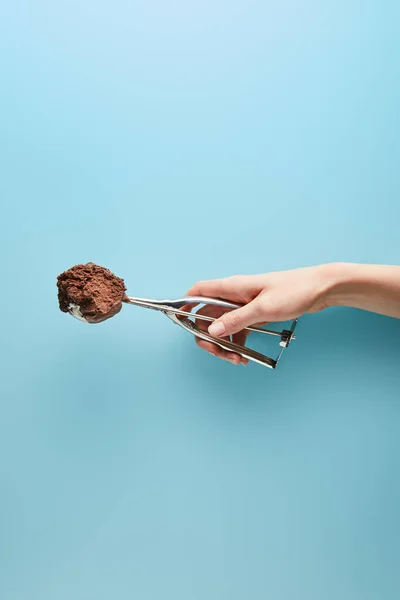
<point x="271" y="297"/>
<point x="286" y="295"/>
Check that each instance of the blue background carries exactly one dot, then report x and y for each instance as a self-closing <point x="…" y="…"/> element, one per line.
<point x="176" y="141"/>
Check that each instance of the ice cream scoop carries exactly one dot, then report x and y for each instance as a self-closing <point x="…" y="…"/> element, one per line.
<point x="92" y="294"/>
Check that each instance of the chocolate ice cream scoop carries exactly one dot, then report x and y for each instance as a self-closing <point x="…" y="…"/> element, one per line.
<point x="90" y="293"/>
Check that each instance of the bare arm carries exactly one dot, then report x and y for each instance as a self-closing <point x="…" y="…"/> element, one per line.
<point x="375" y="288"/>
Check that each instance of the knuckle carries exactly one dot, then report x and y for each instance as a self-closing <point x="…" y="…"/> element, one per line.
<point x="234" y="319"/>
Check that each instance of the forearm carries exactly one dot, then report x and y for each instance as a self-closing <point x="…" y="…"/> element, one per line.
<point x="375" y="288"/>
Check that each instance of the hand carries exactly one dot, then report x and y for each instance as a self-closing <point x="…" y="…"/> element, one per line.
<point x="238" y="338"/>
<point x="271" y="297"/>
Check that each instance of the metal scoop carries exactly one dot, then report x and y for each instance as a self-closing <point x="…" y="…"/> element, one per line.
<point x="172" y="309"/>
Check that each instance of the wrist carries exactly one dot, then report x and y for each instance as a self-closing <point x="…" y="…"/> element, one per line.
<point x="343" y="281"/>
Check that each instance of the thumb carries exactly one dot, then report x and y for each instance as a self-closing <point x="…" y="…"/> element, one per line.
<point x="236" y="320"/>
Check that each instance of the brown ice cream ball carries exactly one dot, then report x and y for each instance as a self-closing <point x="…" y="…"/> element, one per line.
<point x="90" y="293"/>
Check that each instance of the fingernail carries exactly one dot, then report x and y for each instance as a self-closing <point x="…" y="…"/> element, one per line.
<point x="217" y="329"/>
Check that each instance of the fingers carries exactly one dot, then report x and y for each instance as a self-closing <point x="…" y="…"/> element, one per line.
<point x="240" y="339"/>
<point x="238" y="288"/>
<point x="187" y="308"/>
<point x="208" y="310"/>
<point x="215" y="312"/>
<point x="236" y="320"/>
<point x="215" y="350"/>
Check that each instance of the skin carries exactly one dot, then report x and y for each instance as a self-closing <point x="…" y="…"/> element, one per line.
<point x="286" y="295"/>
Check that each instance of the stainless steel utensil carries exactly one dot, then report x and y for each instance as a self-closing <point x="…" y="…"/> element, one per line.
<point x="173" y="310"/>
